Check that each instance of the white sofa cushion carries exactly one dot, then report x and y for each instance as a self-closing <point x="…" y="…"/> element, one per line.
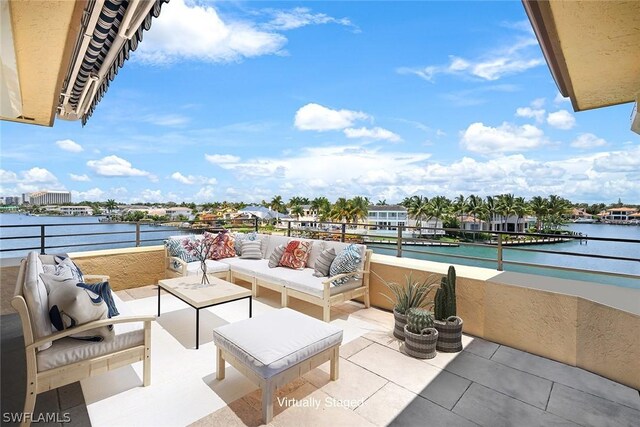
<point x="305" y="281"/>
<point x="273" y="242"/>
<point x="272" y="342"/>
<point x="193" y="268"/>
<point x="37" y="299"/>
<point x="68" y="350"/>
<point x="244" y="266"/>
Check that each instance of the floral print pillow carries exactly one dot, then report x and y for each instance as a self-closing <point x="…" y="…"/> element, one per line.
<point x="296" y="255"/>
<point x="223" y="246"/>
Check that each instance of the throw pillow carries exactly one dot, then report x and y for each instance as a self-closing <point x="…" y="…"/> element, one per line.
<point x="323" y="263"/>
<point x="71" y="305"/>
<point x="347" y="261"/>
<point x="296" y="254"/>
<point x="54" y="274"/>
<point x="238" y="238"/>
<point x="104" y="290"/>
<point x="63" y="261"/>
<point x="274" y="259"/>
<point x="251" y="249"/>
<point x="222" y="246"/>
<point x="175" y="249"/>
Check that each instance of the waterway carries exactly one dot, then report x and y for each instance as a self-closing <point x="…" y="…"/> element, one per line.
<point x="59" y="236"/>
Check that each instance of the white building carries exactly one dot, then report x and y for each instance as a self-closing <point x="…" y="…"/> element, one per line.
<point x="309" y="217"/>
<point x="48" y="198"/>
<point x="513" y="223"/>
<point x="618" y="214"/>
<point x="387" y="217"/>
<point x="75" y="210"/>
<point x="468" y="222"/>
<point x="175" y="212"/>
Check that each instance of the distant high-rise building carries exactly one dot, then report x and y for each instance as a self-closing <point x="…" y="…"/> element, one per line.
<point x="49" y="197"/>
<point x="11" y="200"/>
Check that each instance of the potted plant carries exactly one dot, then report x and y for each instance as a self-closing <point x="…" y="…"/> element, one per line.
<point x="420" y="335"/>
<point x="410" y="295"/>
<point x="449" y="325"/>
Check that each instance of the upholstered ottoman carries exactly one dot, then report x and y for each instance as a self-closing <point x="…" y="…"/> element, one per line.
<point x="275" y="348"/>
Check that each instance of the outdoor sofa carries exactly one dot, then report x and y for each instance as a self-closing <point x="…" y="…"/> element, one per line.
<point x="290" y="283"/>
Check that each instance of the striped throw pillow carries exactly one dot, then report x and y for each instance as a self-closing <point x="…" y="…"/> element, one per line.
<point x="347" y="261"/>
<point x="251" y="249"/>
<point x="274" y="259"/>
<point x="323" y="263"/>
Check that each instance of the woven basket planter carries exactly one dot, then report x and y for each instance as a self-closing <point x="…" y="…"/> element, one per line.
<point x="423" y="345"/>
<point x="449" y="334"/>
<point x="401" y="321"/>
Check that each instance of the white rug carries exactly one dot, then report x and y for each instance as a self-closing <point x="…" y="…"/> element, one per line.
<point x="183" y="386"/>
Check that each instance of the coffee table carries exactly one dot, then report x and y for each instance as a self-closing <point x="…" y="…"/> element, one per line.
<point x="199" y="296"/>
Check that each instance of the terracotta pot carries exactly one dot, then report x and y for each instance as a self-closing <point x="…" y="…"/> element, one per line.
<point x="400" y="322"/>
<point x="422" y="345"/>
<point x="449" y="334"/>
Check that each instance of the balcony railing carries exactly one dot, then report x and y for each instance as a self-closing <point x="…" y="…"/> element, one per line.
<point x="493" y="249"/>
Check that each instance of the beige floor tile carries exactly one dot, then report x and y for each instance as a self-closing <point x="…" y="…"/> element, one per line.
<point x="386" y="404"/>
<point x="143" y="292"/>
<point x="124" y="295"/>
<point x="354" y="383"/>
<point x="374" y="315"/>
<point x="385" y="338"/>
<point x="254" y="399"/>
<point x="238" y="413"/>
<point x="322" y="410"/>
<point x="352" y="347"/>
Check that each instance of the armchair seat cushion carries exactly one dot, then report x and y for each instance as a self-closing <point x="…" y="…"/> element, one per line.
<point x="68" y="350"/>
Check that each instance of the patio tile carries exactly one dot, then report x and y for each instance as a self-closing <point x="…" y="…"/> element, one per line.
<point x="412" y="374"/>
<point x="326" y="413"/>
<point x="386" y="404"/>
<point x="352" y="347"/>
<point x="70" y="395"/>
<point x="124" y="295"/>
<point x="490" y="408"/>
<point x="568" y="375"/>
<point x="78" y="416"/>
<point x="422" y="412"/>
<point x="520" y="385"/>
<point x="238" y="413"/>
<point x="385" y="338"/>
<point x="589" y="410"/>
<point x="143" y="292"/>
<point x="481" y="347"/>
<point x="355" y="383"/>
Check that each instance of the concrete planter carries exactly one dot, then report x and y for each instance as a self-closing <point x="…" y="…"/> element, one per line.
<point x="400" y="322"/>
<point x="449" y="334"/>
<point x="423" y="345"/>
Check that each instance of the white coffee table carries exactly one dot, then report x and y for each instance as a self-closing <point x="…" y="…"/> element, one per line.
<point x="199" y="296"/>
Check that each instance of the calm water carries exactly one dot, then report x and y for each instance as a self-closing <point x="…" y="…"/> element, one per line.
<point x="629" y="250"/>
<point x="31" y="235"/>
<point x="157" y="234"/>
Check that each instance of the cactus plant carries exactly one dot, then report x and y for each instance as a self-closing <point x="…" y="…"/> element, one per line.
<point x="419" y="319"/>
<point x="445" y="300"/>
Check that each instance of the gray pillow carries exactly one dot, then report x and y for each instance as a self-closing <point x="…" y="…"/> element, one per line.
<point x="323" y="263"/>
<point x="274" y="259"/>
<point x="251" y="249"/>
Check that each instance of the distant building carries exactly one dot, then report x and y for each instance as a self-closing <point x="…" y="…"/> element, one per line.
<point x="579" y="213"/>
<point x="618" y="214"/>
<point x="468" y="222"/>
<point x="387" y="217"/>
<point x="11" y="200"/>
<point x="76" y="210"/>
<point x="512" y="223"/>
<point x="309" y="217"/>
<point x="40" y="198"/>
<point x="174" y="213"/>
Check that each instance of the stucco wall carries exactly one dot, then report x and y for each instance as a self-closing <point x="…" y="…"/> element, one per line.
<point x="127" y="268"/>
<point x="567" y="328"/>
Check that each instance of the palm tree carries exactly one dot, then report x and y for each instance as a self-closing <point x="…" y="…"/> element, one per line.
<point x="520" y="208"/>
<point x="461" y="206"/>
<point x="540" y="208"/>
<point x="439" y="206"/>
<point x="382" y="202"/>
<point x="111" y="205"/>
<point x="297" y="210"/>
<point x="359" y="208"/>
<point x="340" y="210"/>
<point x="506" y="206"/>
<point x="277" y="204"/>
<point x="418" y="209"/>
<point x="491" y="209"/>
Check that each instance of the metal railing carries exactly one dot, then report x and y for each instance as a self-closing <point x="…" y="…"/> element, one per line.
<point x="400" y="240"/>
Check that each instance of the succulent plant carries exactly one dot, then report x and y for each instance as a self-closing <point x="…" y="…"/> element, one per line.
<point x="412" y="294"/>
<point x="445" y="301"/>
<point x="419" y="319"/>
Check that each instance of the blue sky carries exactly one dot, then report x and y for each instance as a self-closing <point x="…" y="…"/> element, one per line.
<point x="246" y="100"/>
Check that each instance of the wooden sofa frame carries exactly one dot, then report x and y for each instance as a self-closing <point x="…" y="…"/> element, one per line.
<point x="326" y="301"/>
<point x="41" y="381"/>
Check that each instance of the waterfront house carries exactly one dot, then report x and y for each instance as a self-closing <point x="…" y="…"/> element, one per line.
<point x="176" y="212"/>
<point x="579" y="213"/>
<point x="309" y="217"/>
<point x="615" y="215"/>
<point x="468" y="222"/>
<point x="512" y="223"/>
<point x="75" y="210"/>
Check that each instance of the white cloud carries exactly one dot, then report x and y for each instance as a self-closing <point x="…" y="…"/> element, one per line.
<point x="191" y="179"/>
<point x="531" y="113"/>
<point x="588" y="140"/>
<point x="39" y="175"/>
<point x="559" y="99"/>
<point x="538" y="103"/>
<point x="221" y="159"/>
<point x="116" y="166"/>
<point x="197" y="32"/>
<point x="373" y="133"/>
<point x="69" y="145"/>
<point x="79" y="178"/>
<point x="502" y="139"/>
<point x="166" y="119"/>
<point x="7" y="177"/>
<point x="317" y="117"/>
<point x="494" y="65"/>
<point x="300" y="17"/>
<point x="477" y="95"/>
<point x="92" y="195"/>
<point x="205" y="194"/>
<point x="34" y="179"/>
<point x="561" y="119"/>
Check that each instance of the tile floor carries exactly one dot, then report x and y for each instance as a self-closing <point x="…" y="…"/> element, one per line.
<point x="486" y="384"/>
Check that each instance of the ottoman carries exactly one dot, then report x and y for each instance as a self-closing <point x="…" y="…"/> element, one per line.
<point x="275" y="348"/>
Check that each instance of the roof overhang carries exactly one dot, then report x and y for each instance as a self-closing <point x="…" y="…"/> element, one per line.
<point x="592" y="48"/>
<point x="67" y="53"/>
